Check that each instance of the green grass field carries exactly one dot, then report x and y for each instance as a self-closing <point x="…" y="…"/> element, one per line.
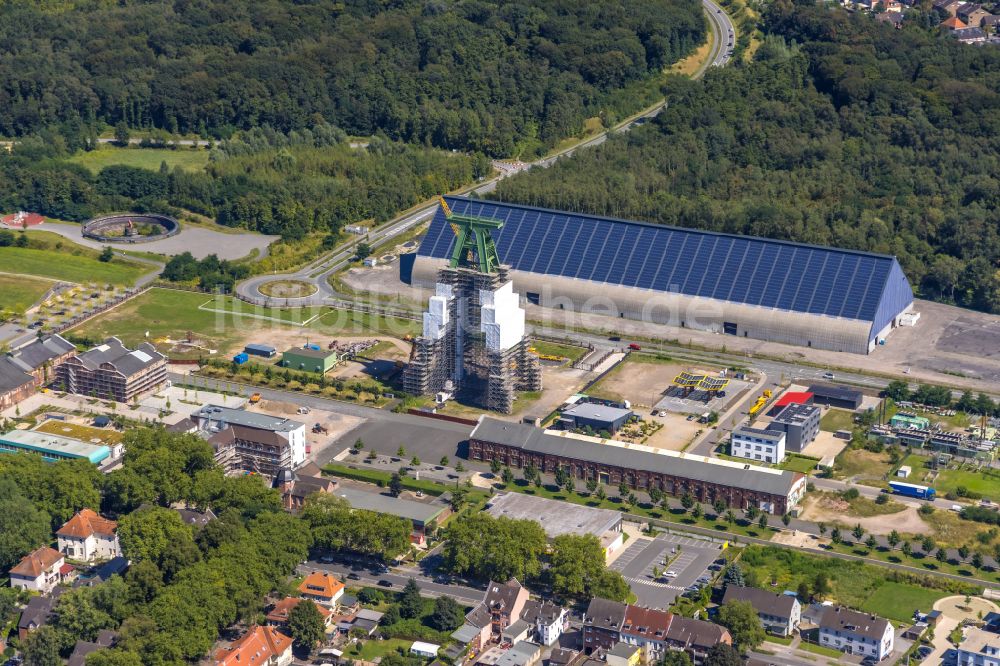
<point x="987" y="485"/>
<point x="897" y="601"/>
<point x="572" y="352"/>
<point x="70" y="267"/>
<point x="853" y="584"/>
<point x="371" y="649"/>
<point x="222" y="322"/>
<point x="169" y="313"/>
<point x="142" y="158"/>
<point x="797" y="463"/>
<point x="837" y="419"/>
<point x="18" y="292"/>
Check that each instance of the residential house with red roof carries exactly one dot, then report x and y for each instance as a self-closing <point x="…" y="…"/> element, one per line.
<point x="323" y="588"/>
<point x="39" y="571"/>
<point x="88" y="536"/>
<point x="279" y="614"/>
<point x="261" y="646"/>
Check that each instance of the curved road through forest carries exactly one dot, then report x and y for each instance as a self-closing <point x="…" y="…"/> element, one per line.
<point x="317" y="272"/>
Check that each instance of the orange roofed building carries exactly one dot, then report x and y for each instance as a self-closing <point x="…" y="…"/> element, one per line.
<point x="88" y="536"/>
<point x="39" y="571"/>
<point x="954" y="23"/>
<point x="278" y="616"/>
<point x="261" y="646"/>
<point x="323" y="588"/>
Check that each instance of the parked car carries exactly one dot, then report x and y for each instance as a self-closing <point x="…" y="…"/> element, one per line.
<point x="385" y="583"/>
<point x="353" y="576"/>
<point x="670" y="574"/>
<point x="327" y="559"/>
<point x="634" y="347"/>
<point x="828" y="375"/>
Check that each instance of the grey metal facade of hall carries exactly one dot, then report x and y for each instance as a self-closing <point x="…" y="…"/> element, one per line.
<point x="821" y="297"/>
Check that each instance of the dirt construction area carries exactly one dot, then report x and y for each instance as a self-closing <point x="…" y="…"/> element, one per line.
<point x="335" y="424"/>
<point x="833" y="511"/>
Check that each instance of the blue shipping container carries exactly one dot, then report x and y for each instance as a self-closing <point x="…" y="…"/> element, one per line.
<point x="241" y="358"/>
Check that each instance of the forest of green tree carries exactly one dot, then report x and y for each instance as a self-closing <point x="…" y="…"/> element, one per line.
<point x="464" y="74"/>
<point x="308" y="180"/>
<point x="843" y="132"/>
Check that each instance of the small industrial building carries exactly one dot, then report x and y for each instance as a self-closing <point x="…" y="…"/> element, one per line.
<point x="832" y="395"/>
<point x="111" y="371"/>
<point x="251" y="441"/>
<point x="758" y="444"/>
<point x="910" y="421"/>
<point x="267" y="351"/>
<point x="306" y="359"/>
<point x="52" y="447"/>
<point x="789" y="397"/>
<point x="597" y="417"/>
<point x="800" y="423"/>
<point x="419" y="513"/>
<point x="767" y="289"/>
<point x="558" y="518"/>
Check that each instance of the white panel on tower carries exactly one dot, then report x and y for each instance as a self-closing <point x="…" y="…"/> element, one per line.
<point x="501" y="317"/>
<point x="437" y="316"/>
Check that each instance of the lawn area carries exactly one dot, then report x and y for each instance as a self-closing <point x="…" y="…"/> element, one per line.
<point x="371" y="649"/>
<point x="797" y="463"/>
<point x="18" y="292"/>
<point x="819" y="649"/>
<point x="860" y="462"/>
<point x="897" y="601"/>
<point x="985" y="484"/>
<point x="853" y="584"/>
<point x="837" y="419"/>
<point x="62" y="265"/>
<point x="349" y="322"/>
<point x="142" y="158"/>
<point x="217" y="321"/>
<point x="84" y="432"/>
<point x="572" y="352"/>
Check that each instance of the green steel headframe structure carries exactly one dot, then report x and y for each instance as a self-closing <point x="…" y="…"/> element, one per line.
<point x="474" y="247"/>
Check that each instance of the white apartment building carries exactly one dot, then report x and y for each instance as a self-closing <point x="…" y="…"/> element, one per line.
<point x="767" y="446"/>
<point x="853" y="632"/>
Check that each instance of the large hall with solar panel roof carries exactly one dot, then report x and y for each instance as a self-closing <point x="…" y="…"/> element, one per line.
<point x="473" y="344"/>
<point x="765" y="289"/>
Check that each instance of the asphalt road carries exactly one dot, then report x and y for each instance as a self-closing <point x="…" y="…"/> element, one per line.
<point x="368" y="576"/>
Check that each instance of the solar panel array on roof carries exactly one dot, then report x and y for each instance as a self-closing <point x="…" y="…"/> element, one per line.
<point x="745" y="269"/>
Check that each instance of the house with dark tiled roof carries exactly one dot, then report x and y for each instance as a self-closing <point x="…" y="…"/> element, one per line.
<point x="972" y="13"/>
<point x="857" y="633"/>
<point x="38" y="571"/>
<point x="112" y="371"/>
<point x="23" y="370"/>
<point x="88" y="536"/>
<point x="501" y="606"/>
<point x="37" y="613"/>
<point x="969" y="35"/>
<point x="547" y="620"/>
<point x="779" y="613"/>
<point x="607" y="623"/>
<point x="105" y="639"/>
<point x="297" y="485"/>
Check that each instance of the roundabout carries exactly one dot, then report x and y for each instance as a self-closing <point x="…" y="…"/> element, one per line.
<point x="288" y="289"/>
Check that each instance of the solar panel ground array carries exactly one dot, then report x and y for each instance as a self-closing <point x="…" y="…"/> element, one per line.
<point x="739" y="269"/>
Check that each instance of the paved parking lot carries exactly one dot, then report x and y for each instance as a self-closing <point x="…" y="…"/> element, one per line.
<point x="687" y="556"/>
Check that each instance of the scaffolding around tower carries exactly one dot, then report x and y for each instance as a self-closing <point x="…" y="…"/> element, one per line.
<point x="473" y="342"/>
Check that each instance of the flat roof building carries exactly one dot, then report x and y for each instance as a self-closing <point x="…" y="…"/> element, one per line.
<point x="787" y="398"/>
<point x="597" y="417"/>
<point x="800" y="423"/>
<point x="833" y="395"/>
<point x="558" y="518"/>
<point x="767" y="289"/>
<point x="767" y="446"/>
<point x="419" y="513"/>
<point x="309" y="360"/>
<point x="251" y="441"/>
<point x="638" y="466"/>
<point x="52" y="447"/>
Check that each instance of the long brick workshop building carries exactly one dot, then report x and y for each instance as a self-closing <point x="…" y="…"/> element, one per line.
<point x="610" y="462"/>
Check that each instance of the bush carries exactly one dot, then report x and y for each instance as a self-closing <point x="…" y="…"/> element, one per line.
<point x="925" y="509"/>
<point x="980" y="514"/>
<point x="850" y="494"/>
<point x="883" y="498"/>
